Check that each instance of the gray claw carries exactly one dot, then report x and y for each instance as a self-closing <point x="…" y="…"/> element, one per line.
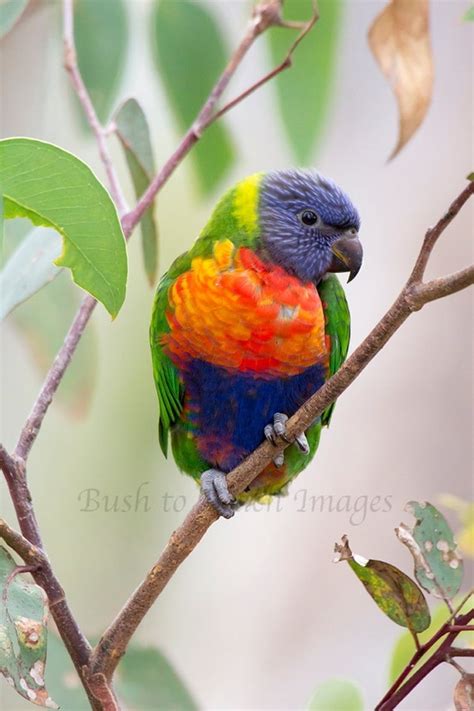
<point x="214" y="488"/>
<point x="302" y="443"/>
<point x="279" y="460"/>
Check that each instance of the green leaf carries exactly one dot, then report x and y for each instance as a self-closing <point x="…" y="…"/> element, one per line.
<point x="405" y="647"/>
<point x="134" y="134"/>
<point x="394" y="592"/>
<point x="305" y="91"/>
<point x="29" y="268"/>
<point x="145" y="680"/>
<point x="55" y="189"/>
<point x="469" y="15"/>
<point x="101" y="36"/>
<point x="10" y="13"/>
<point x="190" y="55"/>
<point x="438" y="565"/>
<point x="23" y="633"/>
<point x="470" y="176"/>
<point x="337" y="695"/>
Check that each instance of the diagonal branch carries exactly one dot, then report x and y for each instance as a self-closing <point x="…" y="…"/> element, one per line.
<point x="183" y="541"/>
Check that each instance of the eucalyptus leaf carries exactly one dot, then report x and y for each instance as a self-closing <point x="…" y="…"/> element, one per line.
<point x="336" y="695"/>
<point x="394" y="592"/>
<point x="53" y="188"/>
<point x="101" y="36"/>
<point x="305" y="92"/>
<point x="134" y="134"/>
<point x="23" y="633"/>
<point x="190" y="54"/>
<point x="438" y="564"/>
<point x="29" y="268"/>
<point x="10" y="13"/>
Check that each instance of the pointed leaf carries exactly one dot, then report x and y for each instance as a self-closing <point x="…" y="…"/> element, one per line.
<point x="438" y="565"/>
<point x="134" y="134"/>
<point x="190" y="55"/>
<point x="400" y="42"/>
<point x="337" y="695"/>
<point x="23" y="633"/>
<point x="305" y="92"/>
<point x="55" y="189"/>
<point x="101" y="36"/>
<point x="29" y="268"/>
<point x="393" y="591"/>
<point x="10" y="13"/>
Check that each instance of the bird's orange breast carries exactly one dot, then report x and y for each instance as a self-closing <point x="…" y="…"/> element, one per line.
<point x="235" y="311"/>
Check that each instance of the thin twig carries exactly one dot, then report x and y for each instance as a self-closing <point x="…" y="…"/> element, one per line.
<point x="266" y="14"/>
<point x="70" y="63"/>
<point x="183" y="541"/>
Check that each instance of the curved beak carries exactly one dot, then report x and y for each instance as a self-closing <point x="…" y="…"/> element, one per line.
<point x="348" y="253"/>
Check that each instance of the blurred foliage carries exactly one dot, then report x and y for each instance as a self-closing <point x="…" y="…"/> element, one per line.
<point x="190" y="54"/>
<point x="23" y="633"/>
<point x="469" y="16"/>
<point x="101" y="36"/>
<point x="145" y="681"/>
<point x="93" y="246"/>
<point x="10" y="13"/>
<point x="336" y="695"/>
<point x="305" y="92"/>
<point x="465" y="513"/>
<point x="134" y="134"/>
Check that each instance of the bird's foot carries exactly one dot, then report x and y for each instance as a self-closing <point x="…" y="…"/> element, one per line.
<point x="215" y="489"/>
<point x="278" y="429"/>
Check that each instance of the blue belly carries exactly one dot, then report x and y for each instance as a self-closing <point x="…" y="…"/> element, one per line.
<point x="228" y="411"/>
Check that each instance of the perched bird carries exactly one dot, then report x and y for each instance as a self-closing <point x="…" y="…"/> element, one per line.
<point x="249" y="323"/>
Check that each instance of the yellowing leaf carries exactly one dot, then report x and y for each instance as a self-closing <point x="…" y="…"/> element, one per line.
<point x="400" y="41"/>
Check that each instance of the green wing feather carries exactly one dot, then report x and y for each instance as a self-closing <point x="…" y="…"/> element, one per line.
<point x="167" y="382"/>
<point x="338" y="327"/>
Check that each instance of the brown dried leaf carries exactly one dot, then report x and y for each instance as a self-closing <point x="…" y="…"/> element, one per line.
<point x="464" y="693"/>
<point x="400" y="42"/>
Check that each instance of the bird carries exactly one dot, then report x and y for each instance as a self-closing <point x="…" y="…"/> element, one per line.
<point x="248" y="324"/>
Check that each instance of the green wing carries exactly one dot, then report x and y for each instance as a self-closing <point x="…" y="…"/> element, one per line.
<point x="167" y="382"/>
<point x="338" y="327"/>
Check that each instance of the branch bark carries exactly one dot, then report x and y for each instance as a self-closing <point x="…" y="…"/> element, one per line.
<point x="183" y="541"/>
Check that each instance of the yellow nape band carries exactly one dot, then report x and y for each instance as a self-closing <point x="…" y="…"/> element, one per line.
<point x="245" y="205"/>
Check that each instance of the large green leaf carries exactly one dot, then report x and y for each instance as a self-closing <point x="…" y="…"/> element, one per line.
<point x="337" y="695"/>
<point x="145" y="680"/>
<point x="10" y="13"/>
<point x="53" y="188"/>
<point x="133" y="132"/>
<point x="393" y="591"/>
<point x="305" y="91"/>
<point x="190" y="54"/>
<point x="23" y="633"/>
<point x="438" y="564"/>
<point x="101" y="35"/>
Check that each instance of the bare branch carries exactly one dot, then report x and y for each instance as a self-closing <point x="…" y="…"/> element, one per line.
<point x="21" y="545"/>
<point x="70" y="63"/>
<point x="266" y="14"/>
<point x="183" y="541"/>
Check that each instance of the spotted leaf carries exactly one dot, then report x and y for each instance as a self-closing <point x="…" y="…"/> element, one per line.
<point x="438" y="564"/>
<point x="23" y="633"/>
<point x="393" y="591"/>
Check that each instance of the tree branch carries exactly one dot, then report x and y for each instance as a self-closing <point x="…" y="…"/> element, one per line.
<point x="183" y="541"/>
<point x="70" y="63"/>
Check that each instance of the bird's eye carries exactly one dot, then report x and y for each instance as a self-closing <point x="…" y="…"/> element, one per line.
<point x="308" y="218"/>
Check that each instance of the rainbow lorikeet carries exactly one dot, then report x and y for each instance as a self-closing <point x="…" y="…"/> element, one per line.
<point x="249" y="323"/>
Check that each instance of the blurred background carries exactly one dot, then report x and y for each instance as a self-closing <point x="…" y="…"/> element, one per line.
<point x="259" y="615"/>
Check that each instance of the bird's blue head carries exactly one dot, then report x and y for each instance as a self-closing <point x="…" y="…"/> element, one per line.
<point x="308" y="225"/>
